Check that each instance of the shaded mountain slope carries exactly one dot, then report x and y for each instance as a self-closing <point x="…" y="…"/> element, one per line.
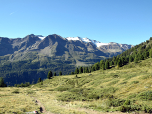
<point x="27" y="59"/>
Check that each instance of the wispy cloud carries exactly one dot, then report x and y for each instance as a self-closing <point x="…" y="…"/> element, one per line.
<point x="12" y="13"/>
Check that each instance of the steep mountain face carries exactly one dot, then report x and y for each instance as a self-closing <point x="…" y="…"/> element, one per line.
<point x="55" y="45"/>
<point x="34" y="55"/>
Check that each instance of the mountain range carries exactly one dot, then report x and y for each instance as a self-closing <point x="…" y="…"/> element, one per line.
<point x="55" y="45"/>
<point x="34" y="55"/>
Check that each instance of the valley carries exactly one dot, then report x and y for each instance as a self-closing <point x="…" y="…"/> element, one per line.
<point x="27" y="59"/>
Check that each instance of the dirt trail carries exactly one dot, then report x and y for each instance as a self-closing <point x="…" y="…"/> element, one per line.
<point x="42" y="108"/>
<point x="87" y="111"/>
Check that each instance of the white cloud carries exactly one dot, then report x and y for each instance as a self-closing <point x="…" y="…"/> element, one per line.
<point x="12" y="13"/>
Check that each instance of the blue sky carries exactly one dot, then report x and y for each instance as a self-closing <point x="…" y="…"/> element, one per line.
<point x="121" y="21"/>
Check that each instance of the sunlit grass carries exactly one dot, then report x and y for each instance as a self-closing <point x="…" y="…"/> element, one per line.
<point x="92" y="92"/>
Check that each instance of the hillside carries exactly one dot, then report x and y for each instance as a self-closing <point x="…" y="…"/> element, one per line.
<point x="125" y="89"/>
<point x="29" y="58"/>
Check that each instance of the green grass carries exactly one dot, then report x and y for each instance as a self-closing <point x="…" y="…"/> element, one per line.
<point x="126" y="89"/>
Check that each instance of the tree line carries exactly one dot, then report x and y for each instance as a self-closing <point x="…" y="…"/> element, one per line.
<point x="135" y="54"/>
<point x="50" y="74"/>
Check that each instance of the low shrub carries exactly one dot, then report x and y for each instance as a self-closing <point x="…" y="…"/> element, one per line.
<point x="145" y="77"/>
<point x="116" y="102"/>
<point x="135" y="107"/>
<point x="109" y="90"/>
<point x="76" y="90"/>
<point x="113" y="82"/>
<point x="115" y="76"/>
<point x="16" y="91"/>
<point x="132" y="96"/>
<point x="124" y="108"/>
<point x="93" y="96"/>
<point x="30" y="92"/>
<point x="68" y="96"/>
<point x="51" y="90"/>
<point x="147" y="95"/>
<point x="134" y="82"/>
<point x="127" y="102"/>
<point x="62" y="88"/>
<point x="147" y="109"/>
<point x="124" y="82"/>
<point x="93" y="105"/>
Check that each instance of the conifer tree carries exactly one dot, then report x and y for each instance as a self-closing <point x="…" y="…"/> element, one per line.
<point x="80" y="70"/>
<point x="39" y="80"/>
<point x="122" y="60"/>
<point x="93" y="68"/>
<point x="97" y="66"/>
<point x="107" y="65"/>
<point x="141" y="57"/>
<point x="49" y="76"/>
<point x="72" y="73"/>
<point x="114" y="58"/>
<point x="15" y="85"/>
<point x="131" y="59"/>
<point x="2" y="84"/>
<point x="119" y="63"/>
<point x="146" y="54"/>
<point x="136" y="59"/>
<point x="28" y="83"/>
<point x="86" y="70"/>
<point x="101" y="62"/>
<point x="127" y="59"/>
<point x="76" y="71"/>
<point x="150" y="53"/>
<point x="115" y="63"/>
<point x="60" y="73"/>
<point x="54" y="73"/>
<point x="103" y="66"/>
<point x="111" y="63"/>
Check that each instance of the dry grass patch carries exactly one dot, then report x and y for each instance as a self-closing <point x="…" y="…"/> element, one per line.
<point x="16" y="102"/>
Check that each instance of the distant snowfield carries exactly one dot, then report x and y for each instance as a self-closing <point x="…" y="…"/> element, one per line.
<point x="86" y="40"/>
<point x="41" y="37"/>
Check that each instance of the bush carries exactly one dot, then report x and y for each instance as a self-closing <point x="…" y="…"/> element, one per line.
<point x="147" y="109"/>
<point x="67" y="96"/>
<point x="115" y="76"/>
<point x="113" y="82"/>
<point x="77" y="90"/>
<point x="62" y="88"/>
<point x="30" y="92"/>
<point x="16" y="91"/>
<point x="109" y="90"/>
<point x="124" y="108"/>
<point x="135" y="107"/>
<point x="134" y="82"/>
<point x="123" y="82"/>
<point x="147" y="95"/>
<point x="116" y="102"/>
<point x="132" y="96"/>
<point x="127" y="102"/>
<point x="93" y="96"/>
<point x="93" y="105"/>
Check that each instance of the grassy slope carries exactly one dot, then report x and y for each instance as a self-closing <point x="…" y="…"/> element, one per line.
<point x="68" y="94"/>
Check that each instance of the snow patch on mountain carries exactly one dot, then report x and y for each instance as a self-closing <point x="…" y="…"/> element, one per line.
<point x="41" y="37"/>
<point x="74" y="38"/>
<point x="86" y="40"/>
